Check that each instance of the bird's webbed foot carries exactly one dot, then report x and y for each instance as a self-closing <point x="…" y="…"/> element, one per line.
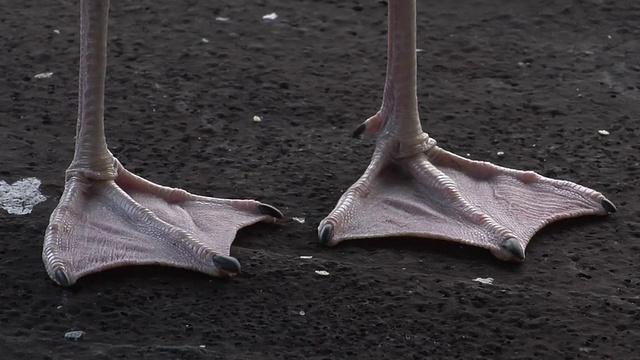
<point x="102" y="224"/>
<point x="436" y="194"/>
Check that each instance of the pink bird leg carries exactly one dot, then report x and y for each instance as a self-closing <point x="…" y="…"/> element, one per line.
<point x="108" y="217"/>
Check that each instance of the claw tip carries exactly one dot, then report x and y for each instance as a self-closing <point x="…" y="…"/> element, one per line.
<point x="226" y="263"/>
<point x="358" y="131"/>
<point x="326" y="233"/>
<point x="270" y="210"/>
<point x="513" y="246"/>
<point x="61" y="278"/>
<point x="608" y="206"/>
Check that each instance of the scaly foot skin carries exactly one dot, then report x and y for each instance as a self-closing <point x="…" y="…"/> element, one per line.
<point x="103" y="224"/>
<point x="414" y="188"/>
<point x="108" y="217"/>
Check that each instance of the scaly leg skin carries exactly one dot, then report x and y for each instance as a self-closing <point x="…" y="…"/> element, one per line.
<point x="414" y="188"/>
<point x="108" y="217"/>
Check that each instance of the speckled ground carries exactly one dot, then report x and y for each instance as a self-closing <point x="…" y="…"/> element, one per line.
<point x="533" y="79"/>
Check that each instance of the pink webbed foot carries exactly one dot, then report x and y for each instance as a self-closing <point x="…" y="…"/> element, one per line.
<point x="104" y="224"/>
<point x="414" y="188"/>
<point x="437" y="194"/>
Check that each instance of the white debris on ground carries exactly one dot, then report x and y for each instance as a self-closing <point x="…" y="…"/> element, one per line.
<point x="419" y="50"/>
<point x="56" y="31"/>
<point x="306" y="257"/>
<point x="500" y="153"/>
<point x="603" y="132"/>
<point x="44" y="75"/>
<point x="271" y="16"/>
<point x="322" y="272"/>
<point x="488" y="281"/>
<point x="301" y="220"/>
<point x="257" y="118"/>
<point x="205" y="40"/>
<point x="74" y="335"/>
<point x="302" y="313"/>
<point x="221" y="18"/>
<point x="20" y="197"/>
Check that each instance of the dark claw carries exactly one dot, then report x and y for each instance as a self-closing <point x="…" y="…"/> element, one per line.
<point x="608" y="205"/>
<point x="226" y="263"/>
<point x="359" y="130"/>
<point x="326" y="233"/>
<point x="61" y="278"/>
<point x="513" y="246"/>
<point x="270" y="210"/>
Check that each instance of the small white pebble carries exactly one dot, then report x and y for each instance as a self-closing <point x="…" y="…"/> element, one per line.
<point x="221" y="18"/>
<point x="609" y="36"/>
<point x="203" y="346"/>
<point x="205" y="40"/>
<point x="302" y="313"/>
<point x="484" y="280"/>
<point x="603" y="132"/>
<point x="322" y="272"/>
<point x="306" y="257"/>
<point x="56" y="31"/>
<point x="257" y="118"/>
<point x="301" y="220"/>
<point x="271" y="16"/>
<point x="44" y="75"/>
<point x="500" y="153"/>
<point x="74" y="335"/>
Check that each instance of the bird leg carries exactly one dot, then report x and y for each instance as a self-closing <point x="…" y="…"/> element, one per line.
<point x="414" y="188"/>
<point x="108" y="217"/>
